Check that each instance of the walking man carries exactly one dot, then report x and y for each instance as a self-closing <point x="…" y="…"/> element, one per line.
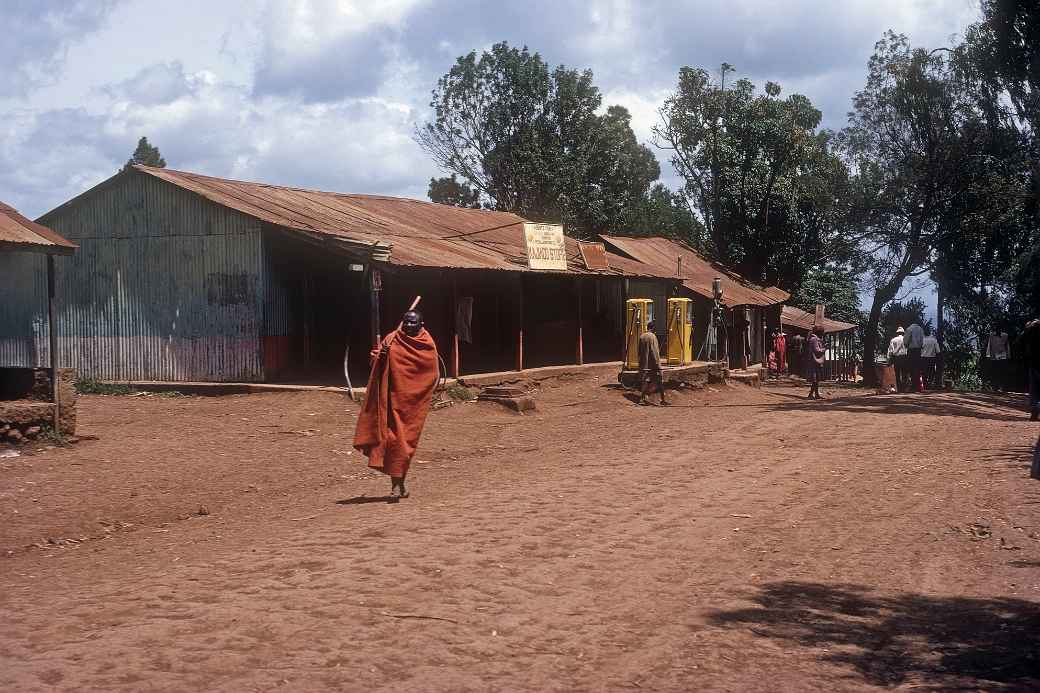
<point x="815" y="355"/>
<point x="897" y="357"/>
<point x="650" y="364"/>
<point x="913" y="342"/>
<point x="404" y="375"/>
<point x="930" y="359"/>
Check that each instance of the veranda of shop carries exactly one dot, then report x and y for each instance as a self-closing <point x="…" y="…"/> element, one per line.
<point x="751" y="312"/>
<point x="842" y="356"/>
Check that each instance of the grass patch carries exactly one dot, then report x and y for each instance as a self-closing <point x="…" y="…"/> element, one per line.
<point x="90" y="386"/>
<point x="50" y="436"/>
<point x="461" y="393"/>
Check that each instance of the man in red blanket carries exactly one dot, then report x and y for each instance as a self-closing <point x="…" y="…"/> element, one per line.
<point x="397" y="400"/>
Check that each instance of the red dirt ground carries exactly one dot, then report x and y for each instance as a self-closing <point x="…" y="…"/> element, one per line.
<point x="744" y="540"/>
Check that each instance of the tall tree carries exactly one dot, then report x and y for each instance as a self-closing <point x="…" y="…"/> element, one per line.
<point x="531" y="140"/>
<point x="664" y="213"/>
<point x="989" y="264"/>
<point x="835" y="287"/>
<point x="146" y="155"/>
<point x="765" y="182"/>
<point x="452" y="191"/>
<point x="911" y="136"/>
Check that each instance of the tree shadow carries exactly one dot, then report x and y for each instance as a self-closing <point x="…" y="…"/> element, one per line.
<point x="1016" y="456"/>
<point x="992" y="406"/>
<point x="948" y="643"/>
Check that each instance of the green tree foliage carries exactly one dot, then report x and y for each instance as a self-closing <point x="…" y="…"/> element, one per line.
<point x="766" y="183"/>
<point x="451" y="191"/>
<point x="913" y="134"/>
<point x="664" y="213"/>
<point x="993" y="266"/>
<point x="834" y="287"/>
<point x="531" y="140"/>
<point x="900" y="314"/>
<point x="146" y="155"/>
<point x="1004" y="49"/>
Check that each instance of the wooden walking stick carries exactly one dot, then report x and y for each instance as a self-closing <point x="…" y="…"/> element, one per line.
<point x="401" y="324"/>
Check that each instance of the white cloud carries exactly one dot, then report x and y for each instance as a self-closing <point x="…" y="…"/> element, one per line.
<point x="323" y="50"/>
<point x="325" y="93"/>
<point x="37" y="35"/>
<point x="203" y="124"/>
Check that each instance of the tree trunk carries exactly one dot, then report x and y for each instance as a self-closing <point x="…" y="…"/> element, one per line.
<point x="940" y="302"/>
<point x="882" y="296"/>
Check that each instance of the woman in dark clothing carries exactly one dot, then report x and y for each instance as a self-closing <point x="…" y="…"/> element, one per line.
<point x="814" y="355"/>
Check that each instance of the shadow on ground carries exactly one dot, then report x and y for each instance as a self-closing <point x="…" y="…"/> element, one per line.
<point x="947" y="643"/>
<point x="975" y="405"/>
<point x="365" y="500"/>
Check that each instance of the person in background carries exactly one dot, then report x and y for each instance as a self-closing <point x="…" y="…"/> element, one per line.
<point x="650" y="364"/>
<point x="815" y="354"/>
<point x="998" y="352"/>
<point x="1028" y="347"/>
<point x="913" y="342"/>
<point x="930" y="359"/>
<point x="897" y="357"/>
<point x="780" y="347"/>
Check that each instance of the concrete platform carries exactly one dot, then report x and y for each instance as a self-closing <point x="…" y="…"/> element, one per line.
<point x="753" y="375"/>
<point x="607" y="369"/>
<point x="696" y="373"/>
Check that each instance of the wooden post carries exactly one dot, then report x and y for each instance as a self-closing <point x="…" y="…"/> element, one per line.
<point x="520" y="326"/>
<point x="581" y="345"/>
<point x="375" y="287"/>
<point x="52" y="329"/>
<point x="454" y="327"/>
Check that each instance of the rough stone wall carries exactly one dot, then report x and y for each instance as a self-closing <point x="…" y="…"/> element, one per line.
<point x="28" y="408"/>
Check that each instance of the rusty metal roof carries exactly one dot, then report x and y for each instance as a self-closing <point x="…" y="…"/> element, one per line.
<point x="20" y="234"/>
<point x="421" y="234"/>
<point x="799" y="318"/>
<point x="663" y="255"/>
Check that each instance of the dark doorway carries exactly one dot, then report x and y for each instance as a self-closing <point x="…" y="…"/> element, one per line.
<point x="316" y="305"/>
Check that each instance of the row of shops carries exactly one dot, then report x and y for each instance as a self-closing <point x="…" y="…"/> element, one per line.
<point x="184" y="277"/>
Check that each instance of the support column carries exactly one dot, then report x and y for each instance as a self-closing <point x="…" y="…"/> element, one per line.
<point x="581" y="346"/>
<point x="520" y="326"/>
<point x="454" y="327"/>
<point x="375" y="288"/>
<point x="52" y="329"/>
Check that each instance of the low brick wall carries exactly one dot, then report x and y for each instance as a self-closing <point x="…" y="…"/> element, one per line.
<point x="26" y="405"/>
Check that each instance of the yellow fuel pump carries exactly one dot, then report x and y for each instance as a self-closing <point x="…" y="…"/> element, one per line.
<point x="680" y="331"/>
<point x="638" y="312"/>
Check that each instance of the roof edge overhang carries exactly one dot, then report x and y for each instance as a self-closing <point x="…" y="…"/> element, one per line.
<point x="37" y="248"/>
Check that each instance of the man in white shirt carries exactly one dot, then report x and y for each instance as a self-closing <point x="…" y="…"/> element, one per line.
<point x="897" y="357"/>
<point x="913" y="342"/>
<point x="930" y="360"/>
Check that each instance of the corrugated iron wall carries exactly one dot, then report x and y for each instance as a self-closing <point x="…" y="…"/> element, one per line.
<point x="23" y="308"/>
<point x="165" y="286"/>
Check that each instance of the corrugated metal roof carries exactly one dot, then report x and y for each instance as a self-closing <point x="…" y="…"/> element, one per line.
<point x="422" y="234"/>
<point x="799" y="318"/>
<point x="21" y="234"/>
<point x="697" y="273"/>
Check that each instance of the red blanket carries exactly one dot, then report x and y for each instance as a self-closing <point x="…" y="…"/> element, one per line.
<point x="397" y="401"/>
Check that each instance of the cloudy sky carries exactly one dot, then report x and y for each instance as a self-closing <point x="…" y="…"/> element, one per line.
<point x="326" y="93"/>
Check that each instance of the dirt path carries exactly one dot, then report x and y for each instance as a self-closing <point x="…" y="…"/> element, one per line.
<point x="743" y="540"/>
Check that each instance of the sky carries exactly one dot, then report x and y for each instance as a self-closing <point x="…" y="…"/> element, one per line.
<point x="327" y="94"/>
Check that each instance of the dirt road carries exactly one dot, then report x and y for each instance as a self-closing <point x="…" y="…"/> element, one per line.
<point x="744" y="540"/>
